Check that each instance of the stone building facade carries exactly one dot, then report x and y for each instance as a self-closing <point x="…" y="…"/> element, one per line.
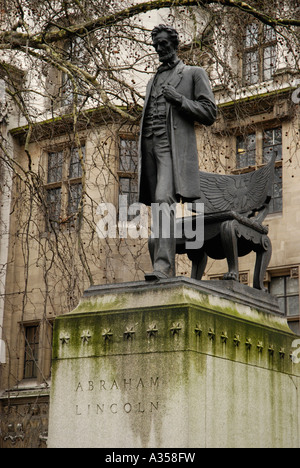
<point x="52" y="247"/>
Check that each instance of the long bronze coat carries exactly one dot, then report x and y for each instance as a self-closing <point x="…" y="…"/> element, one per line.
<point x="198" y="106"/>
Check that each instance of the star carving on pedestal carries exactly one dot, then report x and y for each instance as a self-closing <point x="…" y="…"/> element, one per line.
<point x="224" y="337"/>
<point x="271" y="350"/>
<point x="107" y="334"/>
<point x="260" y="346"/>
<point x="152" y="330"/>
<point x="282" y="353"/>
<point x="248" y="343"/>
<point x="236" y="340"/>
<point x="86" y="336"/>
<point x="64" y="338"/>
<point x="175" y="329"/>
<point x="129" y="333"/>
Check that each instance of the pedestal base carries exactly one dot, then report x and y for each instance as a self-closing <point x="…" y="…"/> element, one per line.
<point x="174" y="364"/>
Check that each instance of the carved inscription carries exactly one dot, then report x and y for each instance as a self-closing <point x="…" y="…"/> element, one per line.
<point x="133" y="388"/>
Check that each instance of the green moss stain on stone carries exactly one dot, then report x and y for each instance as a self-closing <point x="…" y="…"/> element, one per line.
<point x="204" y="329"/>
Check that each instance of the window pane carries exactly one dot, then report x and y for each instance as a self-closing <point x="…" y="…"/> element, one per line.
<point x="277" y="287"/>
<point x="54" y="203"/>
<point x="251" y="70"/>
<point x="128" y="155"/>
<point x="294" y="326"/>
<point x="75" y="163"/>
<point x="269" y="64"/>
<point x="272" y="143"/>
<point x="246" y="151"/>
<point x="251" y="38"/>
<point x="292" y="306"/>
<point x="75" y="193"/>
<point x="269" y="33"/>
<point x="74" y="53"/>
<point x="277" y="191"/>
<point x="287" y="291"/>
<point x="276" y="204"/>
<point x="55" y="164"/>
<point x="129" y="187"/>
<point x="292" y="285"/>
<point x="281" y="302"/>
<point x="67" y="90"/>
<point x="31" y="352"/>
<point x="133" y="191"/>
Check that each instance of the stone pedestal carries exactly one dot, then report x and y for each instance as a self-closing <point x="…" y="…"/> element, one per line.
<point x="176" y="364"/>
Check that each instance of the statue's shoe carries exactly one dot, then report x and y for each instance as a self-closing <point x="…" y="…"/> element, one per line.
<point x="156" y="276"/>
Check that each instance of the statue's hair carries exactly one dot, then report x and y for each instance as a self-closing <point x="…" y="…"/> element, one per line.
<point x="174" y="36"/>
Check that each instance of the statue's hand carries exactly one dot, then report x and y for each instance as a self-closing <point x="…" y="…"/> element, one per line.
<point x="172" y="96"/>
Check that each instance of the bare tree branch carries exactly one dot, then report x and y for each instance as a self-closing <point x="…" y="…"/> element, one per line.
<point x="13" y="39"/>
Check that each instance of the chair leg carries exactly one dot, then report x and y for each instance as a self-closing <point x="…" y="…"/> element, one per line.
<point x="230" y="246"/>
<point x="263" y="257"/>
<point x="199" y="262"/>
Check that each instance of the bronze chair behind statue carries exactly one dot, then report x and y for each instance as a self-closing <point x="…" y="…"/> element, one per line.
<point x="235" y="208"/>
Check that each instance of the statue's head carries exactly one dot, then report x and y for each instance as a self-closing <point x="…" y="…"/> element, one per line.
<point x="166" y="42"/>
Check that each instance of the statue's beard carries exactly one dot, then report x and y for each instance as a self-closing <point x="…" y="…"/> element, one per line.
<point x="167" y="57"/>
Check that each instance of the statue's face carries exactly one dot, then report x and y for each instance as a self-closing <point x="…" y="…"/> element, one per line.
<point x="164" y="47"/>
